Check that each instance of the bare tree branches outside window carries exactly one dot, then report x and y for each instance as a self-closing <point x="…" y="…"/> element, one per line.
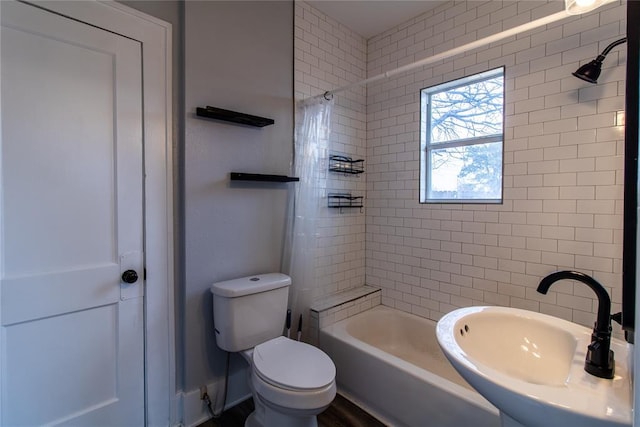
<point x="468" y="111"/>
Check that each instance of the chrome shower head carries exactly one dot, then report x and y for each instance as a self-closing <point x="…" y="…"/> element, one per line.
<point x="591" y="71"/>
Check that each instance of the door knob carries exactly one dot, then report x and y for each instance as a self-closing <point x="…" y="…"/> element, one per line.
<point x="130" y="276"/>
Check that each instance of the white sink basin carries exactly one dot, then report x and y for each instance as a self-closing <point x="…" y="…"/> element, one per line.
<point x="531" y="367"/>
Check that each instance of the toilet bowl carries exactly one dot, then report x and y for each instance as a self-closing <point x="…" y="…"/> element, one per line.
<point x="291" y="381"/>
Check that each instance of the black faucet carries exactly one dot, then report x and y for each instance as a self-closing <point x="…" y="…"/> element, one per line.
<point x="599" y="360"/>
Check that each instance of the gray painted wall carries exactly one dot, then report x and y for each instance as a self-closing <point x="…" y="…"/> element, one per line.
<point x="237" y="56"/>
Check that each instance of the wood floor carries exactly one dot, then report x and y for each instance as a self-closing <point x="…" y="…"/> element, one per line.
<point x="341" y="413"/>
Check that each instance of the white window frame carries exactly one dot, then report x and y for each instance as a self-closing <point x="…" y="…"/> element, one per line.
<point x="426" y="146"/>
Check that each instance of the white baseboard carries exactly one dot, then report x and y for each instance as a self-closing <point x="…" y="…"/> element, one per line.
<point x="177" y="410"/>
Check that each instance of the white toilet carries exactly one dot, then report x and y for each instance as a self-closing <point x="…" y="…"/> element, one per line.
<point x="291" y="381"/>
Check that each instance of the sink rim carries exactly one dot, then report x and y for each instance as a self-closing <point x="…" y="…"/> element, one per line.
<point x="554" y="398"/>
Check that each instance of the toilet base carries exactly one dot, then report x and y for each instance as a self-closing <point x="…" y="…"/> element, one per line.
<point x="272" y="418"/>
<point x="266" y="414"/>
<point x="270" y="414"/>
<point x="252" y="421"/>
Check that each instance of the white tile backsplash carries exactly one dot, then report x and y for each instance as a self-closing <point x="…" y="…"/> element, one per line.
<point x="559" y="175"/>
<point x="563" y="171"/>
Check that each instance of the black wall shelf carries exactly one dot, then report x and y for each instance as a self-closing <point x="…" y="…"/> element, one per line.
<point x="344" y="200"/>
<point x="346" y="165"/>
<point x="241" y="176"/>
<point x="233" y="116"/>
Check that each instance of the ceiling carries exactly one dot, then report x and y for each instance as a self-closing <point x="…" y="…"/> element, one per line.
<point x="371" y="17"/>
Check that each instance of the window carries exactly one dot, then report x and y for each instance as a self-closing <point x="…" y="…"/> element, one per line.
<point x="461" y="137"/>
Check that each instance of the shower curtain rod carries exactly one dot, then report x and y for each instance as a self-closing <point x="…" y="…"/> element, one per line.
<point x="455" y="51"/>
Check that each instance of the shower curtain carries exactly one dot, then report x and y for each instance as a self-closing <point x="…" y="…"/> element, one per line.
<point x="313" y="129"/>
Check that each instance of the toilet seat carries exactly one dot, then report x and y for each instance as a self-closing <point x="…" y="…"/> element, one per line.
<point x="292" y="401"/>
<point x="293" y="365"/>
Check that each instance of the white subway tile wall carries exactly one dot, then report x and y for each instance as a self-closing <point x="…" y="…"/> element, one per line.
<point x="329" y="55"/>
<point x="563" y="165"/>
<point x="563" y="160"/>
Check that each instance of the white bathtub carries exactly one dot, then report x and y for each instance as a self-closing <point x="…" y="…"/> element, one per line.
<point x="389" y="362"/>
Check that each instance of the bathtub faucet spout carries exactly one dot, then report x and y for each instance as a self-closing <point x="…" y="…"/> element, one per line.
<point x="599" y="360"/>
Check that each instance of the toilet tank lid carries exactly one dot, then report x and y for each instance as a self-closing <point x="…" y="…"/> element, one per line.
<point x="250" y="285"/>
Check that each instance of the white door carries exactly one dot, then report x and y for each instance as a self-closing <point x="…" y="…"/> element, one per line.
<point x="71" y="223"/>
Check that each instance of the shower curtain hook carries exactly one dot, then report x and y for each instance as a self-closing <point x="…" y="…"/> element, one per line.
<point x="328" y="96"/>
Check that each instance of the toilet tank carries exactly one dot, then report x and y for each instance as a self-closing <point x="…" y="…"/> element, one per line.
<point x="249" y="310"/>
